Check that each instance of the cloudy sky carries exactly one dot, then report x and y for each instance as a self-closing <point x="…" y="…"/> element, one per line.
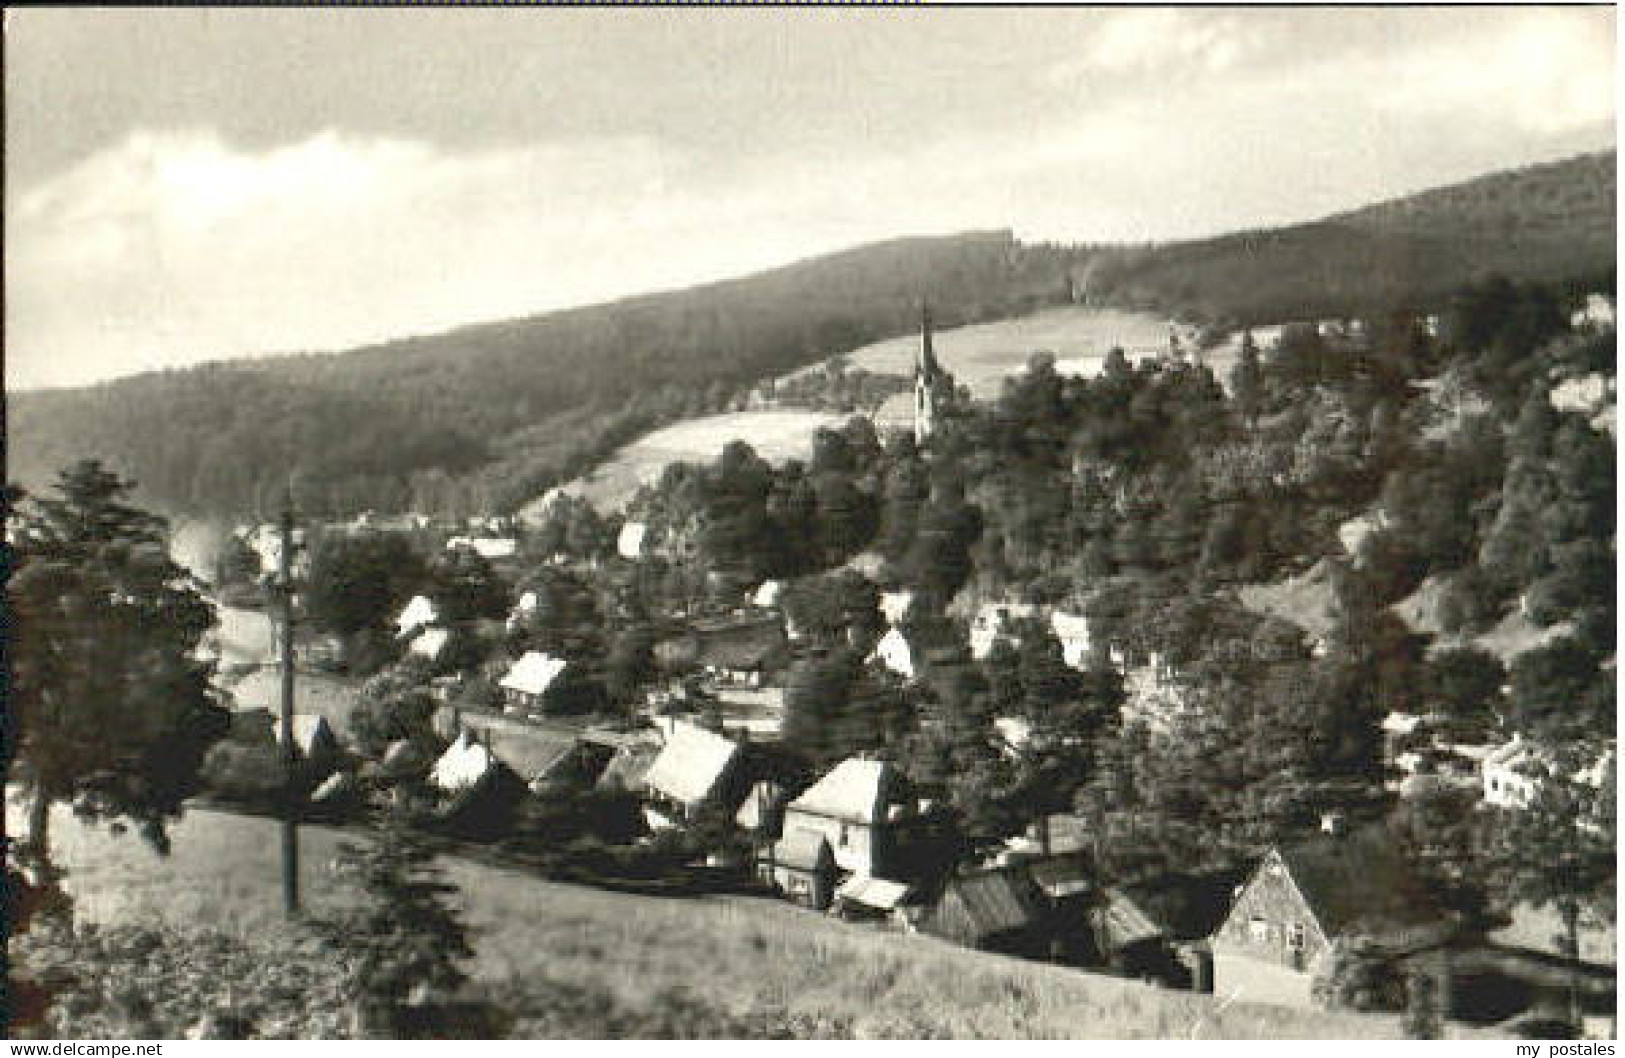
<point x="193" y="185"/>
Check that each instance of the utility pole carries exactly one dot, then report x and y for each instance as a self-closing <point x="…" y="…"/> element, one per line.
<point x="290" y="752"/>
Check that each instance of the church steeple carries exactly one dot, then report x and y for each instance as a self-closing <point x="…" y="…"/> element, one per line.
<point x="927" y="367"/>
<point x="932" y="385"/>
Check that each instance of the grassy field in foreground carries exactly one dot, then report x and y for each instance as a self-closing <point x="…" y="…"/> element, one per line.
<point x="776" y="436"/>
<point x="744" y="956"/>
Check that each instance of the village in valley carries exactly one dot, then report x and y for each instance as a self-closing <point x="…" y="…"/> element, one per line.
<point x="955" y="636"/>
<point x="507" y="692"/>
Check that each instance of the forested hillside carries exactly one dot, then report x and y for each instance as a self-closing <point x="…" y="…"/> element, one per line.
<point x="487" y="416"/>
<point x="1147" y="500"/>
<point x="1551" y="223"/>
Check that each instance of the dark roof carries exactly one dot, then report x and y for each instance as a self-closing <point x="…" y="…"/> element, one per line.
<point x="995" y="902"/>
<point x="627" y="768"/>
<point x="742" y="646"/>
<point x="1186" y="906"/>
<point x="725" y="645"/>
<point x="1121" y="922"/>
<point x="1061" y="876"/>
<point x="1358" y="879"/>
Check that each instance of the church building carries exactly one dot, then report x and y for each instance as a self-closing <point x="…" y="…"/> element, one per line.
<point x="933" y="392"/>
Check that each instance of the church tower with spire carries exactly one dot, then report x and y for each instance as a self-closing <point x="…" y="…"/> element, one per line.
<point x="933" y="386"/>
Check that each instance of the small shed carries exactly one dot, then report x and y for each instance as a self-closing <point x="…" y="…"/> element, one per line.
<point x="802" y="867"/>
<point x="863" y="896"/>
<point x="1000" y="910"/>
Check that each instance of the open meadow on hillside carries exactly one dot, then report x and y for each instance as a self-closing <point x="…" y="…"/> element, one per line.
<point x="983" y="355"/>
<point x="775" y="435"/>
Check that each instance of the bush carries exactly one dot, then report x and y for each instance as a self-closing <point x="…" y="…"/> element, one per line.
<point x="1357" y="977"/>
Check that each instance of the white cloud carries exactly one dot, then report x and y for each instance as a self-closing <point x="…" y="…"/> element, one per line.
<point x="1162" y="42"/>
<point x="171" y="247"/>
<point x="1547" y="70"/>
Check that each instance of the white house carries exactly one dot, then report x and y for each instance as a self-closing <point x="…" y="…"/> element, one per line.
<point x="695" y="768"/>
<point x="530" y="679"/>
<point x="464" y="764"/>
<point x="1073" y="632"/>
<point x="854" y="807"/>
<point x="419" y="613"/>
<point x="767" y="596"/>
<point x="629" y="544"/>
<point x="894" y="652"/>
<point x="894" y="605"/>
<point x="430" y="643"/>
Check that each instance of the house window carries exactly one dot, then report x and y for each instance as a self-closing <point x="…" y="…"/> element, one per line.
<point x="846" y="836"/>
<point x="1258" y="928"/>
<point x="1295" y="936"/>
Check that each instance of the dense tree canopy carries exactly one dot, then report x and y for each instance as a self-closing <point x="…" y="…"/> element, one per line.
<point x="111" y="704"/>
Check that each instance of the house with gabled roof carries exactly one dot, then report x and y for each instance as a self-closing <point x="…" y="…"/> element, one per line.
<point x="696" y="769"/>
<point x="478" y="791"/>
<point x="1303" y="898"/>
<point x="419" y="613"/>
<point x="526" y="685"/>
<point x="894" y="652"/>
<point x="857" y="806"/>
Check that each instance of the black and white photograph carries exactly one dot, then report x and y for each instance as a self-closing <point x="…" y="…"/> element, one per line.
<point x="779" y="522"/>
